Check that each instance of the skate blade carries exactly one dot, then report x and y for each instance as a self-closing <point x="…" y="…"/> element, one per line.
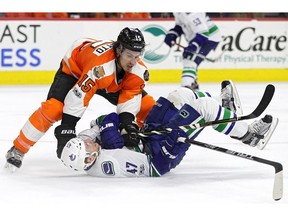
<point x="10" y="168"/>
<point x="236" y="97"/>
<point x="262" y="143"/>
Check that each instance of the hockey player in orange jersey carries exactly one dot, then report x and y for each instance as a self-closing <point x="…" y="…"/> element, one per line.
<point x="112" y="69"/>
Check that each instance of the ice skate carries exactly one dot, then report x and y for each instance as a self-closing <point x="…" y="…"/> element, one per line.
<point x="230" y="97"/>
<point x="194" y="86"/>
<point x="260" y="132"/>
<point x="14" y="159"/>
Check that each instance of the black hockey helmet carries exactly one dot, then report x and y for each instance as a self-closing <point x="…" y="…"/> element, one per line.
<point x="132" y="39"/>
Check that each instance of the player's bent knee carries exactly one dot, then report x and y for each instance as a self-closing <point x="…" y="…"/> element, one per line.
<point x="181" y="96"/>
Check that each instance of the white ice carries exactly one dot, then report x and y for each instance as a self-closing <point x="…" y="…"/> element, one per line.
<point x="206" y="182"/>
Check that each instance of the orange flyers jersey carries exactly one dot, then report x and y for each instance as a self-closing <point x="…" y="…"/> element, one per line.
<point x="92" y="62"/>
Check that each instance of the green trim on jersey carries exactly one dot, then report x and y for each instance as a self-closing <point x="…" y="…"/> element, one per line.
<point x="213" y="29"/>
<point x="100" y="119"/>
<point x="221" y="127"/>
<point x="153" y="172"/>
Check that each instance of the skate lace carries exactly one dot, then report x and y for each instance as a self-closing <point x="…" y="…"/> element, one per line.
<point x="17" y="154"/>
<point x="226" y="93"/>
<point x="258" y="126"/>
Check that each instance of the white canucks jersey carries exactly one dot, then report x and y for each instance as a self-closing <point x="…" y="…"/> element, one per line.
<point x="120" y="163"/>
<point x="200" y="23"/>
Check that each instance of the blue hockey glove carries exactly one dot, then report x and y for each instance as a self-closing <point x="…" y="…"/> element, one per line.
<point x="172" y="35"/>
<point x="110" y="135"/>
<point x="171" y="153"/>
<point x="170" y="147"/>
<point x="170" y="39"/>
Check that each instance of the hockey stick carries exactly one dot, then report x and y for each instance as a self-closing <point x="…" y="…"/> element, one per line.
<point x="278" y="179"/>
<point x="266" y="99"/>
<point x="263" y="104"/>
<point x="202" y="56"/>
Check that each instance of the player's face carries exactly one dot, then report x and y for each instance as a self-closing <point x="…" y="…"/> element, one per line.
<point x="128" y="59"/>
<point x="92" y="150"/>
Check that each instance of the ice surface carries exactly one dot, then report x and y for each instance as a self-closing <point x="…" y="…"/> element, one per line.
<point x="206" y="182"/>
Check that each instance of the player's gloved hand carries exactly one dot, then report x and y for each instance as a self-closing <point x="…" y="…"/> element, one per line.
<point x="170" y="39"/>
<point x="171" y="152"/>
<point x="129" y="133"/>
<point x="110" y="135"/>
<point x="171" y="147"/>
<point x="172" y="35"/>
<point x="63" y="134"/>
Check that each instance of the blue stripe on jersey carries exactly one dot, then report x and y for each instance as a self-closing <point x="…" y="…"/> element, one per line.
<point x="231" y="126"/>
<point x="218" y="113"/>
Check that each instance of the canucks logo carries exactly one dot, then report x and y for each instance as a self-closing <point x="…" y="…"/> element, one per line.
<point x="156" y="50"/>
<point x="184" y="113"/>
<point x="108" y="168"/>
<point x="72" y="157"/>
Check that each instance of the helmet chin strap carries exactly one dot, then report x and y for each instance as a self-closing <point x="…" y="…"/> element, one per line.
<point x="119" y="68"/>
<point x="119" y="71"/>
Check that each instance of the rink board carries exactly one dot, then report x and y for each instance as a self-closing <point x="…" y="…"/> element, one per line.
<point x="159" y="76"/>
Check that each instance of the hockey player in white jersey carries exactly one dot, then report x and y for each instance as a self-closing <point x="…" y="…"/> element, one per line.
<point x="202" y="36"/>
<point x="101" y="150"/>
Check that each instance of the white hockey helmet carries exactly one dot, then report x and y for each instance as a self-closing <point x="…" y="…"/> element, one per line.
<point x="74" y="155"/>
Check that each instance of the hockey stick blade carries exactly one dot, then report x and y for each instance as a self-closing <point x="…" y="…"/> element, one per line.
<point x="278" y="179"/>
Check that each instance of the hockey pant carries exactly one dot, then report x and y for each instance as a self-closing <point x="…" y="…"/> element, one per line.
<point x="190" y="66"/>
<point x="210" y="110"/>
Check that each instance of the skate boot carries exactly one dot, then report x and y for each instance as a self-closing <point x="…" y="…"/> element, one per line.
<point x="194" y="86"/>
<point x="14" y="159"/>
<point x="230" y="97"/>
<point x="260" y="132"/>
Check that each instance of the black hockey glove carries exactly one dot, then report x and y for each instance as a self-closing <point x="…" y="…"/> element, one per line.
<point x="128" y="129"/>
<point x="63" y="134"/>
<point x="129" y="134"/>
